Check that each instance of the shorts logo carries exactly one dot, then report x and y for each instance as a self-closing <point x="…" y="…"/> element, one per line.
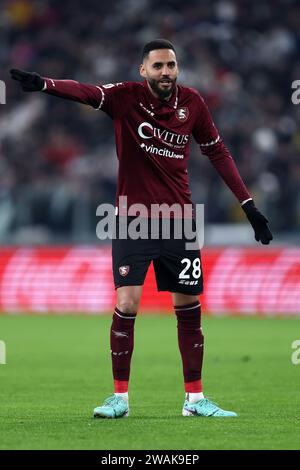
<point x="124" y="270"/>
<point x="182" y="114"/>
<point x="188" y="283"/>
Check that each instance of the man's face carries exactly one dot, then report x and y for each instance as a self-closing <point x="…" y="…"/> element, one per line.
<point x="160" y="70"/>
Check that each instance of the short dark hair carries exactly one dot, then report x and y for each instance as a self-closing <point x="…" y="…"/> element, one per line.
<point x="157" y="44"/>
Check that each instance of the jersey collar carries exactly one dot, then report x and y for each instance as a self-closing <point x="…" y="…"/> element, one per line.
<point x="156" y="103"/>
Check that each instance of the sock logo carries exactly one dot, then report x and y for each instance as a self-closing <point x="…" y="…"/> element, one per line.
<point x="197" y="345"/>
<point x="120" y="334"/>
<point x="119" y="353"/>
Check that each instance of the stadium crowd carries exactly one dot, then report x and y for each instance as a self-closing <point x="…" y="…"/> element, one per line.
<point x="57" y="158"/>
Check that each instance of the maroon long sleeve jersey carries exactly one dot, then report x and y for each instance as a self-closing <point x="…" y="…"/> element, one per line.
<point x="153" y="139"/>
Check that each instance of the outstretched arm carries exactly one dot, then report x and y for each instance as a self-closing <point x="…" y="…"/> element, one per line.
<point x="68" y="89"/>
<point x="225" y="166"/>
<point x="213" y="147"/>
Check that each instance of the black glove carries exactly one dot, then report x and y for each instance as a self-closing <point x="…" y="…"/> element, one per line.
<point x="30" y="81"/>
<point x="258" y="222"/>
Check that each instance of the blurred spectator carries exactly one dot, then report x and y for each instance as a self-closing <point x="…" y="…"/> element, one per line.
<point x="60" y="149"/>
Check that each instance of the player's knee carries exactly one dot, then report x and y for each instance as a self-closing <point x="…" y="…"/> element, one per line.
<point x="127" y="306"/>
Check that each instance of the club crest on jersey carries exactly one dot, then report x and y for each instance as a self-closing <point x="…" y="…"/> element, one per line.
<point x="124" y="270"/>
<point x="182" y="114"/>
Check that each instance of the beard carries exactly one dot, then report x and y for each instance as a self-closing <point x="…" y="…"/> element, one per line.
<point x="161" y="92"/>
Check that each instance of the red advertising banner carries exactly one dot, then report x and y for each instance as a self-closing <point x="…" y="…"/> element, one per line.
<point x="79" y="280"/>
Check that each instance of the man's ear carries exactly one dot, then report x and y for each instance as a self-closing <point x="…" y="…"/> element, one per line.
<point x="142" y="71"/>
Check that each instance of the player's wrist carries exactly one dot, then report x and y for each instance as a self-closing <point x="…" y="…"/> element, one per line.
<point x="249" y="207"/>
<point x="37" y="82"/>
<point x="246" y="200"/>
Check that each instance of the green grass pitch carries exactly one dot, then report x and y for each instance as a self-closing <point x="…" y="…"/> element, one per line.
<point x="58" y="369"/>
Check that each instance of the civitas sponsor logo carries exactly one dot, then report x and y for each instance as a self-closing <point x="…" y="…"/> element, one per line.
<point x="147" y="131"/>
<point x="2" y="92"/>
<point x="248" y="285"/>
<point x="162" y="152"/>
<point x="296" y="94"/>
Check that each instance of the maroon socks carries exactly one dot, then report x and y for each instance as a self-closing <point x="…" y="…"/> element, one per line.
<point x="191" y="344"/>
<point x="121" y="345"/>
<point x="190" y="340"/>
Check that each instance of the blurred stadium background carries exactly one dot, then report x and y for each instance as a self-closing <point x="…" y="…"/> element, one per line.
<point x="58" y="163"/>
<point x="57" y="158"/>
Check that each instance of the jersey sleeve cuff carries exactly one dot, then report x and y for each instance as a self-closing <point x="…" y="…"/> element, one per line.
<point x="246" y="200"/>
<point x="102" y="98"/>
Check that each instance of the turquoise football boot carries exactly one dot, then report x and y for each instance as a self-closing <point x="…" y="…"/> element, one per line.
<point x="113" y="407"/>
<point x="205" y="408"/>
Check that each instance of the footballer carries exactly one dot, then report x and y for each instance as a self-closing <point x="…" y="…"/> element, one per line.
<point x="154" y="121"/>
